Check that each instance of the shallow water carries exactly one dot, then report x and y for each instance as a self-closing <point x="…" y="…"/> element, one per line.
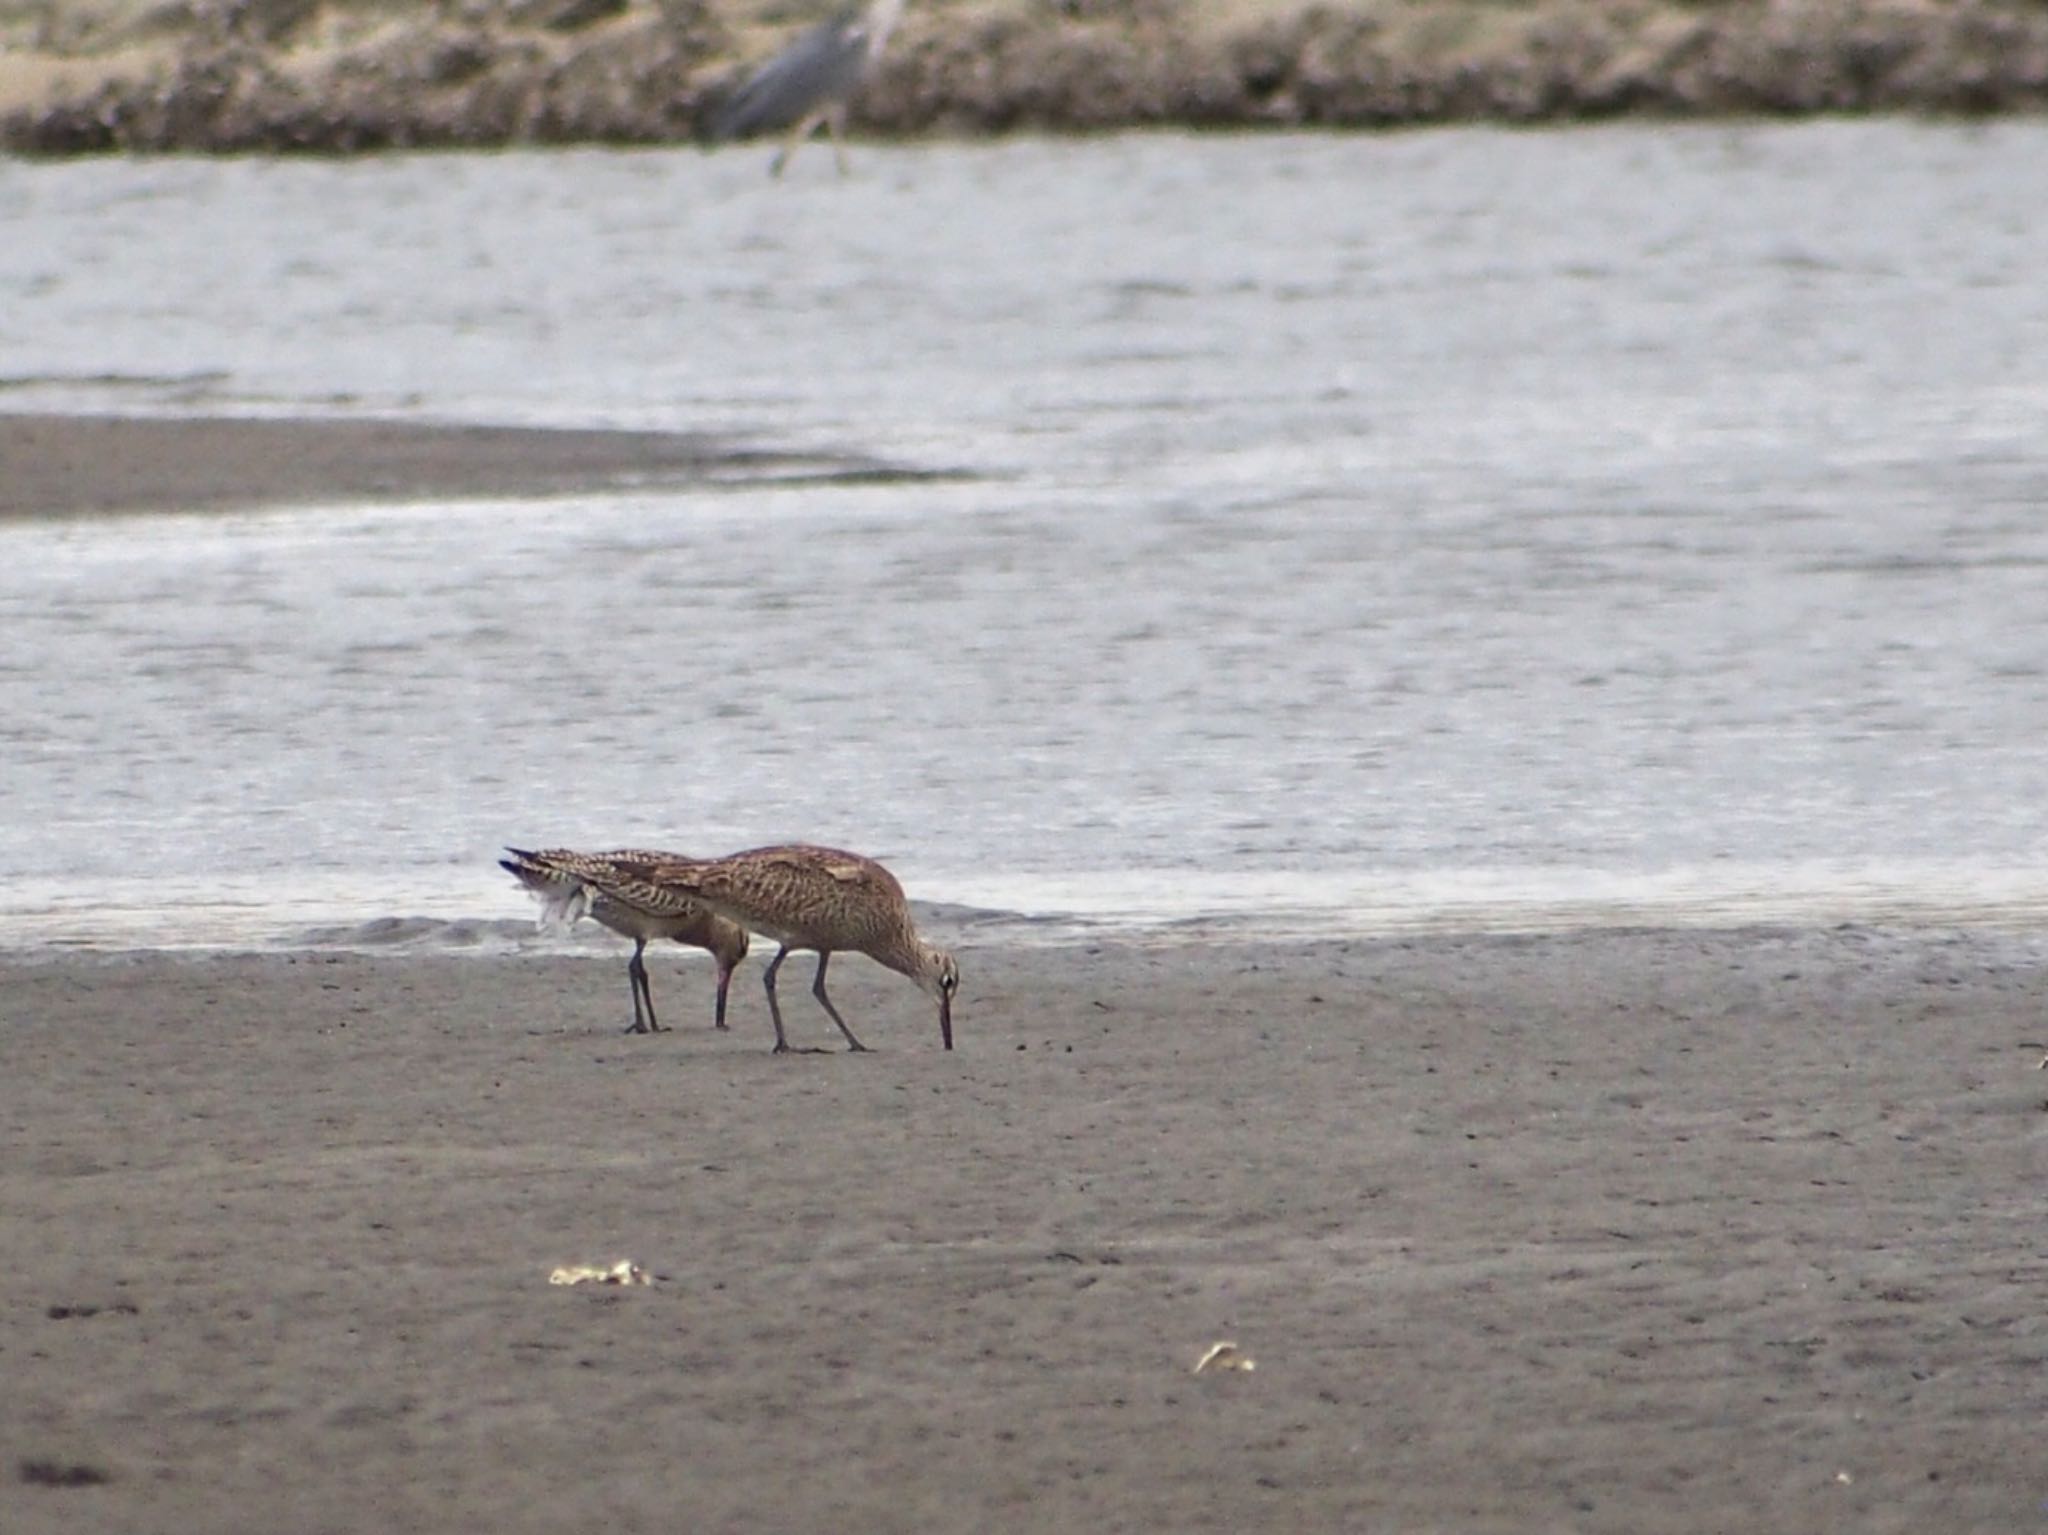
<point x="1363" y="532"/>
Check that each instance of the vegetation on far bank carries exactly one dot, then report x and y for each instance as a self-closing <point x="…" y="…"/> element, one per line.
<point x="343" y="75"/>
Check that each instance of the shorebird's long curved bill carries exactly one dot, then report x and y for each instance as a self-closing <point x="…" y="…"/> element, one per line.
<point x="946" y="1020"/>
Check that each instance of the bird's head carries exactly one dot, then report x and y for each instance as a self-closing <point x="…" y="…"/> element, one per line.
<point x="940" y="978"/>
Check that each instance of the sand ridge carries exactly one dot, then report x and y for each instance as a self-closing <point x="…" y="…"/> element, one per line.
<point x="61" y="465"/>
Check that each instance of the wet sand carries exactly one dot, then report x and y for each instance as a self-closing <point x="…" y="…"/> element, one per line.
<point x="1629" y="1231"/>
<point x="62" y="465"/>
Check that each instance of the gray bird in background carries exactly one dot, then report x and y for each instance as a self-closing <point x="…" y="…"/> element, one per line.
<point x="810" y="82"/>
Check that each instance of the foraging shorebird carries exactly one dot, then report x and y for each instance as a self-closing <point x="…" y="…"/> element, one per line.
<point x="810" y="82"/>
<point x="803" y="897"/>
<point x="561" y="879"/>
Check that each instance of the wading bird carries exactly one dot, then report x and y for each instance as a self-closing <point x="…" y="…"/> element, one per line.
<point x="804" y="897"/>
<point x="810" y="83"/>
<point x="560" y="878"/>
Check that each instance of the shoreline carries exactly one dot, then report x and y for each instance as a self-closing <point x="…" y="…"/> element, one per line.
<point x="348" y="77"/>
<point x="1623" y="1231"/>
<point x="452" y="910"/>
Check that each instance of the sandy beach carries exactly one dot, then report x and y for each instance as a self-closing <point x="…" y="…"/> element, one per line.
<point x="1628" y="1231"/>
<point x="1638" y="1230"/>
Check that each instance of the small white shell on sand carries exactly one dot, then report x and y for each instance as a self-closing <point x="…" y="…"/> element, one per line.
<point x="1225" y="1356"/>
<point x="622" y="1272"/>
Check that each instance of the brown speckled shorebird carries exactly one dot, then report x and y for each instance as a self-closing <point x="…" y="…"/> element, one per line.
<point x="563" y="881"/>
<point x="803" y="897"/>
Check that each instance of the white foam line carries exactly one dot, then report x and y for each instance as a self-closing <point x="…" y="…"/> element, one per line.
<point x="264" y="912"/>
<point x="1540" y="899"/>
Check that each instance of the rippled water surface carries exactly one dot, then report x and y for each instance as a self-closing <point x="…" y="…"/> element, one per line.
<point x="1358" y="531"/>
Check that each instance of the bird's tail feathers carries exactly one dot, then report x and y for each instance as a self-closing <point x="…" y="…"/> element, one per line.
<point x="563" y="906"/>
<point x="564" y="899"/>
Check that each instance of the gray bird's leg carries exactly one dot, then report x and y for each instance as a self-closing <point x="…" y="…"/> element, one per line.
<point x="804" y="128"/>
<point x="835" y="124"/>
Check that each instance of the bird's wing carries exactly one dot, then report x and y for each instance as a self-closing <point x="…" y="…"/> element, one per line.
<point x="620" y="874"/>
<point x="835" y="864"/>
<point x="798" y="875"/>
<point x="817" y="68"/>
<point x="628" y="883"/>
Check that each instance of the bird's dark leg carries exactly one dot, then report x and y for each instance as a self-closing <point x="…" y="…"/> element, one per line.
<point x="633" y="985"/>
<point x="647" y="994"/>
<point x="718" y="1012"/>
<point x="782" y="1044"/>
<point x="636" y="977"/>
<point x="774" y="1010"/>
<point x="818" y="991"/>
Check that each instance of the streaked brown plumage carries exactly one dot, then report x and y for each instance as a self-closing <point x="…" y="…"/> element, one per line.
<point x="804" y="897"/>
<point x="561" y="878"/>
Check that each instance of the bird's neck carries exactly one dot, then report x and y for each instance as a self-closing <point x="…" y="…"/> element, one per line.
<point x="912" y="956"/>
<point x="881" y="22"/>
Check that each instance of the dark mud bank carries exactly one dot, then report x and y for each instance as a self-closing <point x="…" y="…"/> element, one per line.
<point x="272" y="75"/>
